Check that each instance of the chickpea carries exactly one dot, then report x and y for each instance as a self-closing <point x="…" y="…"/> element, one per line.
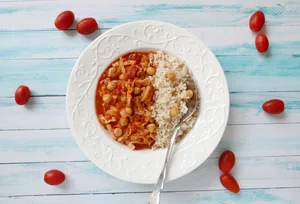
<point x="142" y="82"/>
<point x="112" y="71"/>
<point x="116" y="64"/>
<point x="117" y="132"/>
<point x="107" y="98"/>
<point x="129" y="144"/>
<point x="124" y="121"/>
<point x="145" y="64"/>
<point x="189" y="94"/>
<point x="140" y="73"/>
<point x="111" y="86"/>
<point x="123" y="99"/>
<point x="113" y="108"/>
<point x="128" y="111"/>
<point x="122" y="77"/>
<point x="151" y="127"/>
<point x="171" y="75"/>
<point x="174" y="112"/>
<point x="121" y="139"/>
<point x="150" y="71"/>
<point x="137" y="90"/>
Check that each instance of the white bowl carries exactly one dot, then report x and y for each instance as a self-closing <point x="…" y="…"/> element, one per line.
<point x="144" y="166"/>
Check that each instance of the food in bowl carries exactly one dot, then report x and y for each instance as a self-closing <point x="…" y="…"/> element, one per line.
<point x="142" y="96"/>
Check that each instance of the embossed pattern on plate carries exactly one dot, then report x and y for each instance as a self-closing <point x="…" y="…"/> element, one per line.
<point x="144" y="166"/>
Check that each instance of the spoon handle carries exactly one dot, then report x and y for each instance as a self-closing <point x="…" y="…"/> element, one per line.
<point x="155" y="196"/>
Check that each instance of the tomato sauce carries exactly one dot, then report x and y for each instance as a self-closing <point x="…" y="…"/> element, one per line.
<point x="119" y="105"/>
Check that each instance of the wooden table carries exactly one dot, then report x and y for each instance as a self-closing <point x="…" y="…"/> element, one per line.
<point x="36" y="138"/>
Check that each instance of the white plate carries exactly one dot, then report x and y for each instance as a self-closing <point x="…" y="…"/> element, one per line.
<point x="144" y="166"/>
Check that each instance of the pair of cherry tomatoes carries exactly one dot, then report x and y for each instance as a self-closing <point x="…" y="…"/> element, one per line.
<point x="85" y="27"/>
<point x="226" y="163"/>
<point x="256" y="23"/>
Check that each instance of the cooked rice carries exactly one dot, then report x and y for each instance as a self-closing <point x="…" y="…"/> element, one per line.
<point x="169" y="94"/>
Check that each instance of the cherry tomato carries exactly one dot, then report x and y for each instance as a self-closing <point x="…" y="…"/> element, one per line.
<point x="226" y="161"/>
<point x="87" y="26"/>
<point x="261" y="43"/>
<point x="131" y="72"/>
<point x="22" y="95"/>
<point x="64" y="20"/>
<point x="273" y="106"/>
<point x="257" y="21"/>
<point x="230" y="183"/>
<point x="54" y="177"/>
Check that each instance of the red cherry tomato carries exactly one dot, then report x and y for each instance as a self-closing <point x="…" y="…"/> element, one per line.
<point x="54" y="177"/>
<point x="261" y="43"/>
<point x="257" y="21"/>
<point x="226" y="161"/>
<point x="87" y="26"/>
<point x="22" y="95"/>
<point x="230" y="183"/>
<point x="131" y="72"/>
<point x="64" y="20"/>
<point x="274" y="106"/>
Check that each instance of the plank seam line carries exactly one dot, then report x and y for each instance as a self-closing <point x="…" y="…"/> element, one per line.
<point x="76" y="57"/>
<point x="230" y="92"/>
<point x="22" y="1"/>
<point x="40" y="58"/>
<point x="146" y="192"/>
<point x="33" y="129"/>
<point x="117" y="24"/>
<point x="255" y="124"/>
<point x="38" y="96"/>
<point x="62" y="58"/>
<point x="67" y="128"/>
<point x="88" y="161"/>
<point x="46" y="162"/>
<point x="68" y="30"/>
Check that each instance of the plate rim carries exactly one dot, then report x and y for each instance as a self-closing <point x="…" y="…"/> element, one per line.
<point x="227" y="96"/>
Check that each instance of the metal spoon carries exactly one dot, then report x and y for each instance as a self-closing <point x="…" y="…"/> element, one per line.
<point x="154" y="198"/>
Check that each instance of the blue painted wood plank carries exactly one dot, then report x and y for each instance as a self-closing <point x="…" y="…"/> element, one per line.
<point x="69" y="44"/>
<point x="39" y="146"/>
<point x="253" y="196"/>
<point x="189" y="13"/>
<point x="43" y="76"/>
<point x="60" y="146"/>
<point x="85" y="177"/>
<point x="243" y="73"/>
<point x="49" y="112"/>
